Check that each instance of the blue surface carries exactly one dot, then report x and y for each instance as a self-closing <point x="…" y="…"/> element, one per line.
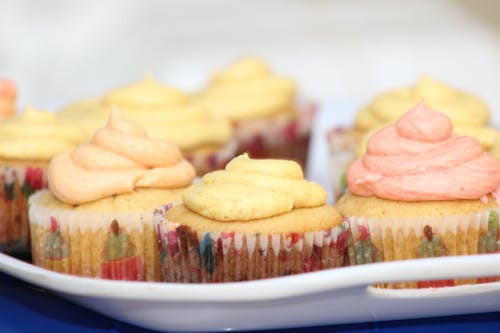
<point x="26" y="308"/>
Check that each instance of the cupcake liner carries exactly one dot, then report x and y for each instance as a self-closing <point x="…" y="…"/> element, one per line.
<point x="200" y="256"/>
<point x="16" y="184"/>
<point x="282" y="136"/>
<point x="117" y="246"/>
<point x="387" y="239"/>
<point x="206" y="162"/>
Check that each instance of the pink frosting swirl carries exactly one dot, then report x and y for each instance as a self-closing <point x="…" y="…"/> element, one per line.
<point x="419" y="159"/>
<point x="120" y="158"/>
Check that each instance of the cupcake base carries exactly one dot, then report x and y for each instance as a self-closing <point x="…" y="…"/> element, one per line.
<point x="194" y="256"/>
<point x="17" y="181"/>
<point x="108" y="245"/>
<point x="388" y="239"/>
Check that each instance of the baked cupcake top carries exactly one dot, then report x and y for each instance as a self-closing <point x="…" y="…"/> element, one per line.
<point x="8" y="94"/>
<point x="248" y="90"/>
<point x="463" y="109"/>
<point x="120" y="158"/>
<point x="36" y="135"/>
<point x="419" y="159"/>
<point x="166" y="114"/>
<point x="253" y="189"/>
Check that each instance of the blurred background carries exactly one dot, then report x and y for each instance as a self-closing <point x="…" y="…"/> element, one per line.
<point x="341" y="52"/>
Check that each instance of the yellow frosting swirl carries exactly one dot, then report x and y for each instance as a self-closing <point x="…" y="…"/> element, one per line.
<point x="462" y="108"/>
<point x="120" y="158"/>
<point x="36" y="135"/>
<point x="248" y="90"/>
<point x="253" y="189"/>
<point x="166" y="114"/>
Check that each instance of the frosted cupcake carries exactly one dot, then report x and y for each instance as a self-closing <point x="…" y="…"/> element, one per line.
<point x="96" y="220"/>
<point x="8" y="94"/>
<point x="27" y="142"/>
<point x="256" y="219"/>
<point x="468" y="114"/>
<point x="268" y="119"/>
<point x="421" y="191"/>
<point x="167" y="114"/>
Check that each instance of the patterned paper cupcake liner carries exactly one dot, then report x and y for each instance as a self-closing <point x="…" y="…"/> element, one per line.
<point x="283" y="136"/>
<point x="387" y="239"/>
<point x="117" y="246"/>
<point x="205" y="162"/>
<point x="200" y="256"/>
<point x="17" y="183"/>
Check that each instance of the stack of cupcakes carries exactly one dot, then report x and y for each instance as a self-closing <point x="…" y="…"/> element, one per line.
<point x="268" y="119"/>
<point x="167" y="114"/>
<point x="97" y="218"/>
<point x="421" y="191"/>
<point x="468" y="114"/>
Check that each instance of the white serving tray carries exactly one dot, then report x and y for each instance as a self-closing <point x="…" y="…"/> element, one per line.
<point x="336" y="296"/>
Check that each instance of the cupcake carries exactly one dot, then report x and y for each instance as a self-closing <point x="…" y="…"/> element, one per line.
<point x="468" y="114"/>
<point x="256" y="219"/>
<point x="167" y="114"/>
<point x="269" y="121"/>
<point x="8" y="94"/>
<point x="27" y="142"/>
<point x="96" y="219"/>
<point x="421" y="191"/>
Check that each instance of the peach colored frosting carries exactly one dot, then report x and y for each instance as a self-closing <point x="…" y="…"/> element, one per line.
<point x="419" y="159"/>
<point x="119" y="158"/>
<point x="8" y="94"/>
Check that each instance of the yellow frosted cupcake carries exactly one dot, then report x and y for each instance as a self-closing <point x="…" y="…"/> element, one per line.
<point x="8" y="95"/>
<point x="27" y="142"/>
<point x="167" y="114"/>
<point x="96" y="220"/>
<point x="268" y="119"/>
<point x="255" y="219"/>
<point x="421" y="191"/>
<point x="468" y="114"/>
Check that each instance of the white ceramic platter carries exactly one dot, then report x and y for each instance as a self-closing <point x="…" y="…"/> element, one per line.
<point x="322" y="298"/>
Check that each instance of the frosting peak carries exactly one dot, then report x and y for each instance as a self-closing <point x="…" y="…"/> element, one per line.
<point x="424" y="124"/>
<point x="145" y="94"/>
<point x="252" y="189"/>
<point x="246" y="90"/>
<point x="419" y="159"/>
<point x="119" y="158"/>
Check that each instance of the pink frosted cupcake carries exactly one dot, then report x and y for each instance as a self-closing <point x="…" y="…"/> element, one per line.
<point x="421" y="191"/>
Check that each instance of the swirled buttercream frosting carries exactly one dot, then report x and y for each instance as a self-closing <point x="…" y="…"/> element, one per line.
<point x="419" y="159"/>
<point x="36" y="135"/>
<point x="251" y="189"/>
<point x="463" y="109"/>
<point x="248" y="90"/>
<point x="119" y="158"/>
